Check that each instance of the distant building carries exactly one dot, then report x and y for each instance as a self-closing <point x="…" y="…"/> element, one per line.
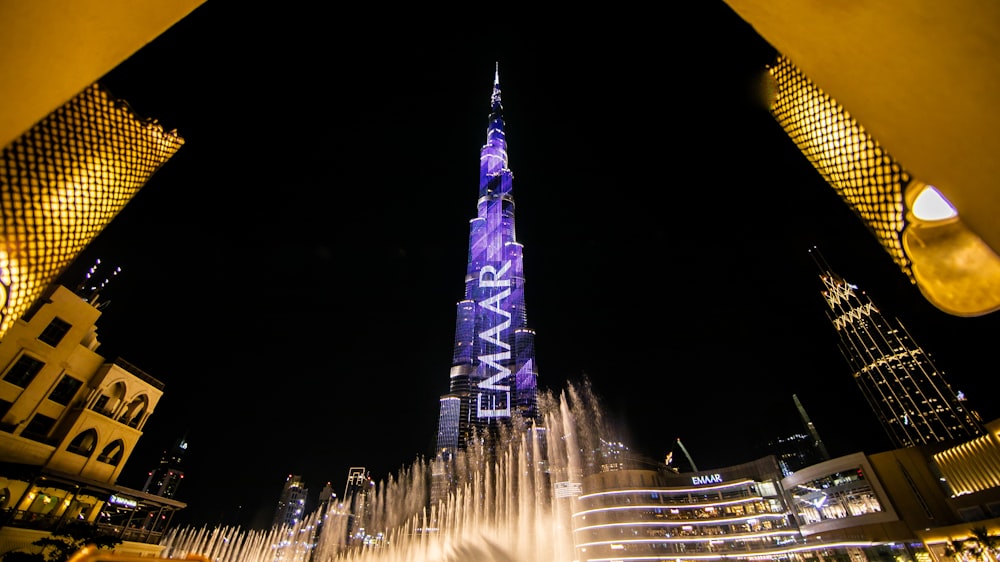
<point x="903" y="386"/>
<point x="327" y="498"/>
<point x="292" y="502"/>
<point x="69" y="420"/>
<point x="167" y="476"/>
<point x="357" y="502"/>
<point x="798" y="450"/>
<point x="793" y="451"/>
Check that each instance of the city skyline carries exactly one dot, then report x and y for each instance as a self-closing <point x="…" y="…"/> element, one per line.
<point x="291" y="273"/>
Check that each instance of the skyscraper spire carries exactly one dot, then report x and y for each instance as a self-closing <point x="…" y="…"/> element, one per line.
<point x="908" y="394"/>
<point x="493" y="156"/>
<point x="493" y="375"/>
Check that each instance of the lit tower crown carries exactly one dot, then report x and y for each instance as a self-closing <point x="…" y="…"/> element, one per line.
<point x="908" y="394"/>
<point x="493" y="374"/>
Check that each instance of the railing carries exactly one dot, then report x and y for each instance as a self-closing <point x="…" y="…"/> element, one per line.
<point x="130" y="534"/>
<point x="51" y="523"/>
<point x="138" y="372"/>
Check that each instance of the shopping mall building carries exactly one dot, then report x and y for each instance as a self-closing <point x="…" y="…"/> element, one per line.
<point x="905" y="504"/>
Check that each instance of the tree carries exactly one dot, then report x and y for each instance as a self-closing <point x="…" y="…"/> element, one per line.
<point x="985" y="542"/>
<point x="61" y="544"/>
<point x="954" y="548"/>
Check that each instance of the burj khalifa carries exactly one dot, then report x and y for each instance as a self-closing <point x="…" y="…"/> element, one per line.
<point x="493" y="378"/>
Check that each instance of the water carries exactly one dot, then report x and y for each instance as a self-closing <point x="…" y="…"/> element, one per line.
<point x="504" y="509"/>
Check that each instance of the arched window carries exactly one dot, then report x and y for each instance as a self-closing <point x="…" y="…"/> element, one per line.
<point x="132" y="415"/>
<point x="110" y="399"/>
<point x="112" y="454"/>
<point x="84" y="443"/>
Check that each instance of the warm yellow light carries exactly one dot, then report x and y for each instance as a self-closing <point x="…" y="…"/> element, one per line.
<point x="930" y="205"/>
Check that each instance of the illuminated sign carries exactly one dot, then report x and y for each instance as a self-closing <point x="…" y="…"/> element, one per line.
<point x="707" y="479"/>
<point x="118" y="500"/>
<point x="819" y="502"/>
<point x="493" y="400"/>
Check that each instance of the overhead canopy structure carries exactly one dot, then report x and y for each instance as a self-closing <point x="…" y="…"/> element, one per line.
<point x="51" y="50"/>
<point x="923" y="79"/>
<point x="71" y="156"/>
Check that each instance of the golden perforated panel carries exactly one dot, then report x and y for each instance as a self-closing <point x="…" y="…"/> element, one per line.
<point x="62" y="182"/>
<point x="849" y="159"/>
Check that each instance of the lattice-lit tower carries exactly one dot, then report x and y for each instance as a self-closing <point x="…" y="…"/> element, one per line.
<point x="904" y="388"/>
<point x="62" y="182"/>
<point x="493" y="373"/>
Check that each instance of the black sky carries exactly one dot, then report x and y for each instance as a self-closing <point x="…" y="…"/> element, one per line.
<point x="291" y="273"/>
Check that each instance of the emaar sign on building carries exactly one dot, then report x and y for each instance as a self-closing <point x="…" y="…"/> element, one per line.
<point x="706" y="479"/>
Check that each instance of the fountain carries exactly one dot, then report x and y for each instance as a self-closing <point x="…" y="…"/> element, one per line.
<point x="511" y="502"/>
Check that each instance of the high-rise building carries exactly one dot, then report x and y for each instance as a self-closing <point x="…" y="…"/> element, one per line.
<point x="357" y="500"/>
<point x="167" y="476"/>
<point x="818" y="444"/>
<point x="292" y="502"/>
<point x="493" y="371"/>
<point x="797" y="450"/>
<point x="327" y="498"/>
<point x="907" y="392"/>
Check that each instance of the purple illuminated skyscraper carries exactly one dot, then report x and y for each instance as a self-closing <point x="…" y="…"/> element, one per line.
<point x="493" y="374"/>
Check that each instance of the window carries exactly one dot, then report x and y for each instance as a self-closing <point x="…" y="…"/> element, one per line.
<point x="65" y="390"/>
<point x="23" y="371"/>
<point x="54" y="332"/>
<point x="84" y="443"/>
<point x="5" y="407"/>
<point x="38" y="428"/>
<point x="134" y="412"/>
<point x="110" y="400"/>
<point x="112" y="454"/>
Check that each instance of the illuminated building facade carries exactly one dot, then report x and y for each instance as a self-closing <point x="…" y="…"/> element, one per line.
<point x="166" y="478"/>
<point x="62" y="182"/>
<point x="740" y="512"/>
<point x="291" y="503"/>
<point x="493" y="373"/>
<point x="69" y="421"/>
<point x="910" y="504"/>
<point x="907" y="392"/>
<point x="358" y="494"/>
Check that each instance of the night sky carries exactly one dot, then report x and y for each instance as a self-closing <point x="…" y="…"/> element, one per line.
<point x="291" y="274"/>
